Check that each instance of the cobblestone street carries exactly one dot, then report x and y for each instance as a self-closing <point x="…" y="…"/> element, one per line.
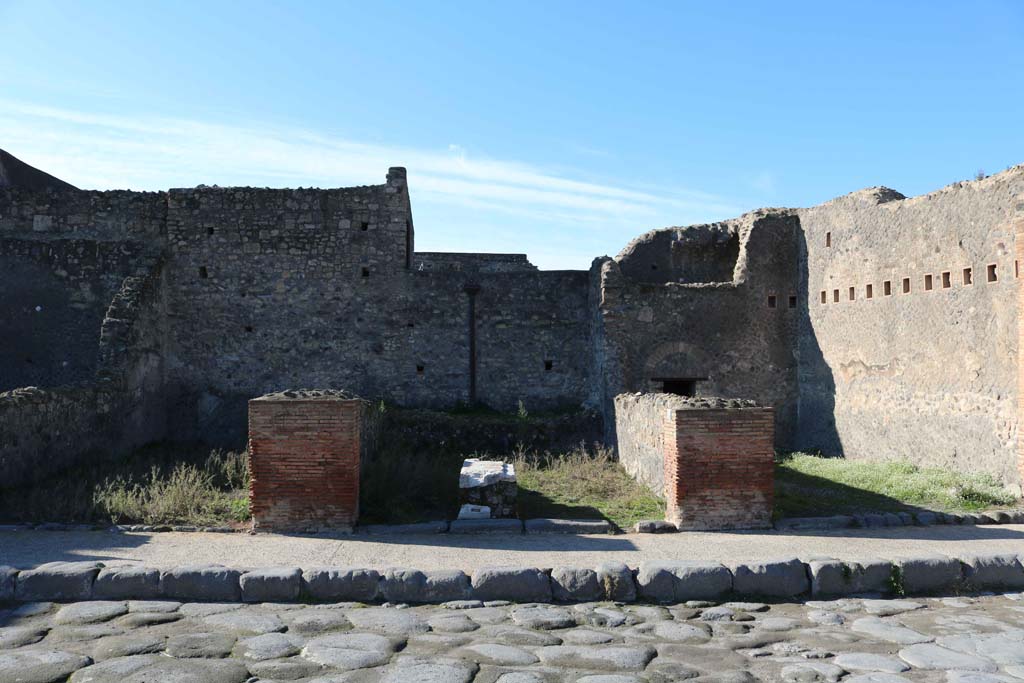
<point x="960" y="640"/>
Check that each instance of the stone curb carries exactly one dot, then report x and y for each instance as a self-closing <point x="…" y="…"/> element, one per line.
<point x="889" y="519"/>
<point x="561" y="526"/>
<point x="472" y="526"/>
<point x="661" y="581"/>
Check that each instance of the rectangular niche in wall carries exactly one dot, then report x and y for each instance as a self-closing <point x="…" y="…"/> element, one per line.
<point x="887" y="288"/>
<point x="928" y="284"/>
<point x="991" y="274"/>
<point x="968" y="276"/>
<point x="680" y="386"/>
<point x="947" y="281"/>
<point x="869" y="291"/>
<point x="906" y="285"/>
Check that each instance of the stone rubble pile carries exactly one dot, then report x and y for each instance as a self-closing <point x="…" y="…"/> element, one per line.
<point x="487" y="489"/>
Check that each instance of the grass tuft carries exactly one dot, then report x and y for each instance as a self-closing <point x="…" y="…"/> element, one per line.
<point x="807" y="485"/>
<point x="582" y="484"/>
<point x="186" y="494"/>
<point x="159" y="484"/>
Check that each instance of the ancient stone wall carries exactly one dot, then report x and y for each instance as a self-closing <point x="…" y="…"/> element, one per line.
<point x="470" y="262"/>
<point x="259" y="289"/>
<point x="63" y="256"/>
<point x="909" y="347"/>
<point x="43" y="431"/>
<point x="736" y="337"/>
<point x="640" y="431"/>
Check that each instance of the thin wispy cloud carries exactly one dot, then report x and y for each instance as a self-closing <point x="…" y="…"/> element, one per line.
<point x="102" y="151"/>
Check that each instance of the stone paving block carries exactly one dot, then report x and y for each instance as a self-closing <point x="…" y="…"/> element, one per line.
<point x="928" y="573"/>
<point x="617" y="581"/>
<point x="445" y="586"/>
<point x="797" y="523"/>
<point x="60" y="581"/>
<point x="836" y="577"/>
<point x="926" y="518"/>
<point x="201" y="583"/>
<point x="8" y="576"/>
<point x="782" y="578"/>
<point x="486" y="526"/>
<point x="654" y="526"/>
<point x="517" y="584"/>
<point x="983" y="572"/>
<point x="275" y="584"/>
<point x="892" y="519"/>
<point x="567" y="526"/>
<point x="134" y="582"/>
<point x="667" y="581"/>
<point x="418" y="529"/>
<point x="403" y="585"/>
<point x="575" y="584"/>
<point x="337" y="584"/>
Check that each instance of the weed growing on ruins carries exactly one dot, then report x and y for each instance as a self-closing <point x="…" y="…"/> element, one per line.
<point x="215" y="493"/>
<point x="582" y="484"/>
<point x="159" y="484"/>
<point x="808" y="485"/>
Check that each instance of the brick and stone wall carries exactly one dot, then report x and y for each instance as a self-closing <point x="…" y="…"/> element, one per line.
<point x="306" y="451"/>
<point x="262" y="289"/>
<point x="736" y="331"/>
<point x="710" y="459"/>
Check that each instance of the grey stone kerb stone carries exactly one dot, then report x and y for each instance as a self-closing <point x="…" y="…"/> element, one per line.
<point x="659" y="582"/>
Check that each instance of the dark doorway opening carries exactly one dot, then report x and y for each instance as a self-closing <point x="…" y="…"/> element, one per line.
<point x="680" y="386"/>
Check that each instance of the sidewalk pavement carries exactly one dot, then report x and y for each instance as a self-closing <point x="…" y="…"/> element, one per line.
<point x="26" y="549"/>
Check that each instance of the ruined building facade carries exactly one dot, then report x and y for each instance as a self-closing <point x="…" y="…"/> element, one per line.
<point x="874" y="325"/>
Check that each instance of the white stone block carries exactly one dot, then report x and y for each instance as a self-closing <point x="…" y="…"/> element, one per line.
<point x="477" y="473"/>
<point x="474" y="512"/>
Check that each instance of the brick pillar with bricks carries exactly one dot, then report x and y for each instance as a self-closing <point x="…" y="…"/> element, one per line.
<point x="304" y="460"/>
<point x="719" y="468"/>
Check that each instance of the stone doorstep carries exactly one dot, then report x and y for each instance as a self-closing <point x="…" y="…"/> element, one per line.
<point x="661" y="581"/>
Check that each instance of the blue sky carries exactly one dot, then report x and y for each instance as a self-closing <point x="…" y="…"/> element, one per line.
<point x="560" y="129"/>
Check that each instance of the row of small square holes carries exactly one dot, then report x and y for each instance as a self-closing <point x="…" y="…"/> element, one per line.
<point x="967" y="278"/>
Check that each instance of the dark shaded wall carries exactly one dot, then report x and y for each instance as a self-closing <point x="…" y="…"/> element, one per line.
<point x="63" y="257"/>
<point x="43" y="431"/>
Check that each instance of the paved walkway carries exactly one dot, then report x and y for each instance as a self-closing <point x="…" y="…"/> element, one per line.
<point x="26" y="549"/>
<point x="953" y="640"/>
